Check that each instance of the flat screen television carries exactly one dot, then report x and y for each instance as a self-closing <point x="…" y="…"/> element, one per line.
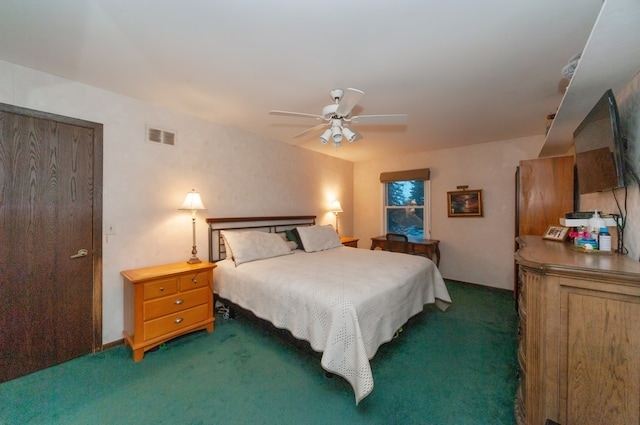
<point x="600" y="148"/>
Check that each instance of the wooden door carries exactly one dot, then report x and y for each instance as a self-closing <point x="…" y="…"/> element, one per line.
<point x="545" y="193"/>
<point x="50" y="210"/>
<point x="599" y="348"/>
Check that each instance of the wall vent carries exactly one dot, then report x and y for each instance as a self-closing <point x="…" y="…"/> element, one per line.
<point x="161" y="136"/>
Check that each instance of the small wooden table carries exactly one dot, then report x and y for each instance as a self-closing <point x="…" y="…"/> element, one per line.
<point x="349" y="241"/>
<point x="426" y="247"/>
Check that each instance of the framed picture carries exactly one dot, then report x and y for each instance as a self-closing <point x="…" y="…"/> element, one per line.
<point x="556" y="233"/>
<point x="464" y="203"/>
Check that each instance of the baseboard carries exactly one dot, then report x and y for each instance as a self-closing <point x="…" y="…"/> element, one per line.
<point x="113" y="344"/>
<point x="477" y="285"/>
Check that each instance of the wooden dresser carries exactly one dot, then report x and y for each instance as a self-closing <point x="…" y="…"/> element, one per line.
<point x="166" y="301"/>
<point x="429" y="248"/>
<point x="578" y="338"/>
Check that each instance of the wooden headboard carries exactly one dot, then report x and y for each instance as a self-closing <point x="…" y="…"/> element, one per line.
<point x="263" y="224"/>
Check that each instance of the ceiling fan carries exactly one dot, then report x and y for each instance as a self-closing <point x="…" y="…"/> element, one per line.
<point x="337" y="117"/>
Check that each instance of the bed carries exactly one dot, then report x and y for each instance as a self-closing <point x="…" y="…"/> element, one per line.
<point x="344" y="302"/>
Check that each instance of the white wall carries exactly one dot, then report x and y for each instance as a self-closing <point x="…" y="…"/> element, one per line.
<point x="243" y="174"/>
<point x="237" y="173"/>
<point x="474" y="249"/>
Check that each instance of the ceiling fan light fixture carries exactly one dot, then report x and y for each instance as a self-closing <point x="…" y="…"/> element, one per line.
<point x="325" y="136"/>
<point x="348" y="134"/>
<point x="338" y="113"/>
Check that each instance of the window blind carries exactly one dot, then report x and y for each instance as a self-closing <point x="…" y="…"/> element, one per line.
<point x="394" y="176"/>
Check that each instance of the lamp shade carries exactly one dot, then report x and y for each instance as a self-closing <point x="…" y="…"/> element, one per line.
<point x="325" y="136"/>
<point x="336" y="134"/>
<point x="350" y="135"/>
<point x="193" y="202"/>
<point x="336" y="207"/>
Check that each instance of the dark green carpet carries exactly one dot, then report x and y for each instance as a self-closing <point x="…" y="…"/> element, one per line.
<point x="457" y="367"/>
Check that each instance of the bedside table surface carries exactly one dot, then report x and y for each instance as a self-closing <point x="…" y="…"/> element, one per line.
<point x="148" y="273"/>
<point x="349" y="241"/>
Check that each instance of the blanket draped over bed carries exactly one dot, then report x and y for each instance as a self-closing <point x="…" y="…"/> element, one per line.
<point x="345" y="302"/>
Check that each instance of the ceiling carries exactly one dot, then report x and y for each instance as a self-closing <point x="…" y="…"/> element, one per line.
<point x="464" y="71"/>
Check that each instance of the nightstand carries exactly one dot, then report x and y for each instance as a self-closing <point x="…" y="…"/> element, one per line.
<point x="163" y="302"/>
<point x="349" y="241"/>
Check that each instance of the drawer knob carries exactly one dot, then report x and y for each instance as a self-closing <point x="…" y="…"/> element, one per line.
<point x="178" y="302"/>
<point x="161" y="288"/>
<point x="194" y="280"/>
<point x="178" y="320"/>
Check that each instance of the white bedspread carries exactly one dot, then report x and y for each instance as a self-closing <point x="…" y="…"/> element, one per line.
<point x="345" y="302"/>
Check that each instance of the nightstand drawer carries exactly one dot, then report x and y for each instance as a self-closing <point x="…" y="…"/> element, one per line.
<point x="194" y="280"/>
<point x="160" y="288"/>
<point x="167" y="305"/>
<point x="175" y="322"/>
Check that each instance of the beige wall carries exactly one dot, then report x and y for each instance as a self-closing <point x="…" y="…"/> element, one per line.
<point x="242" y="174"/>
<point x="237" y="173"/>
<point x="480" y="250"/>
<point x="474" y="249"/>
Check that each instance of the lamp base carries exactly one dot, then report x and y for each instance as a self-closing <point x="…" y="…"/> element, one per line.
<point x="194" y="252"/>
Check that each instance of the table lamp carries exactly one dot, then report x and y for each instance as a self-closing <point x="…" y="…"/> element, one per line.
<point x="336" y="208"/>
<point x="193" y="203"/>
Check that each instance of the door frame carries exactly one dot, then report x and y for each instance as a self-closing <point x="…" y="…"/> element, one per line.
<point x="97" y="206"/>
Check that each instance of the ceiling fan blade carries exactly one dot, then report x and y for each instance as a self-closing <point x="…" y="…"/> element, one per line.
<point x="380" y="119"/>
<point x="309" y="130"/>
<point x="296" y="114"/>
<point x="350" y="98"/>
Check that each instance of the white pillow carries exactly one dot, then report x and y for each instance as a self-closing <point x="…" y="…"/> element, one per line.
<point x="318" y="238"/>
<point x="253" y="245"/>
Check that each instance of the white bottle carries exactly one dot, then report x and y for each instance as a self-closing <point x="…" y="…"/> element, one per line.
<point x="595" y="224"/>
<point x="604" y="240"/>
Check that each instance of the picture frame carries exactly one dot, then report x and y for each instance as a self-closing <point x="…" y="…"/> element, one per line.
<point x="464" y="203"/>
<point x="556" y="233"/>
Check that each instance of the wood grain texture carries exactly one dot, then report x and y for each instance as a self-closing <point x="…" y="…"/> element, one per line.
<point x="545" y="193"/>
<point x="165" y="301"/>
<point x="581" y="346"/>
<point x="49" y="193"/>
<point x="603" y="353"/>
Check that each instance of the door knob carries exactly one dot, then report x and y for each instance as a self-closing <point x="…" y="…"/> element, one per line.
<point x="81" y="253"/>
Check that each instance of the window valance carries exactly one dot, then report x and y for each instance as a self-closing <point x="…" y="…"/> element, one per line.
<point x="394" y="176"/>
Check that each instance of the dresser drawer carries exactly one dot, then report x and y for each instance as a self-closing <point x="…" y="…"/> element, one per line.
<point x="160" y="288"/>
<point x="194" y="280"/>
<point x="175" y="303"/>
<point x="175" y="322"/>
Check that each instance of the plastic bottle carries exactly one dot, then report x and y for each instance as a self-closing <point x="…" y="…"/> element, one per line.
<point x="595" y="224"/>
<point x="604" y="240"/>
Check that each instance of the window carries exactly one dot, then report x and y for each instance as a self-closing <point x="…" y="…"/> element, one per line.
<point x="406" y="203"/>
<point x="405" y="208"/>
